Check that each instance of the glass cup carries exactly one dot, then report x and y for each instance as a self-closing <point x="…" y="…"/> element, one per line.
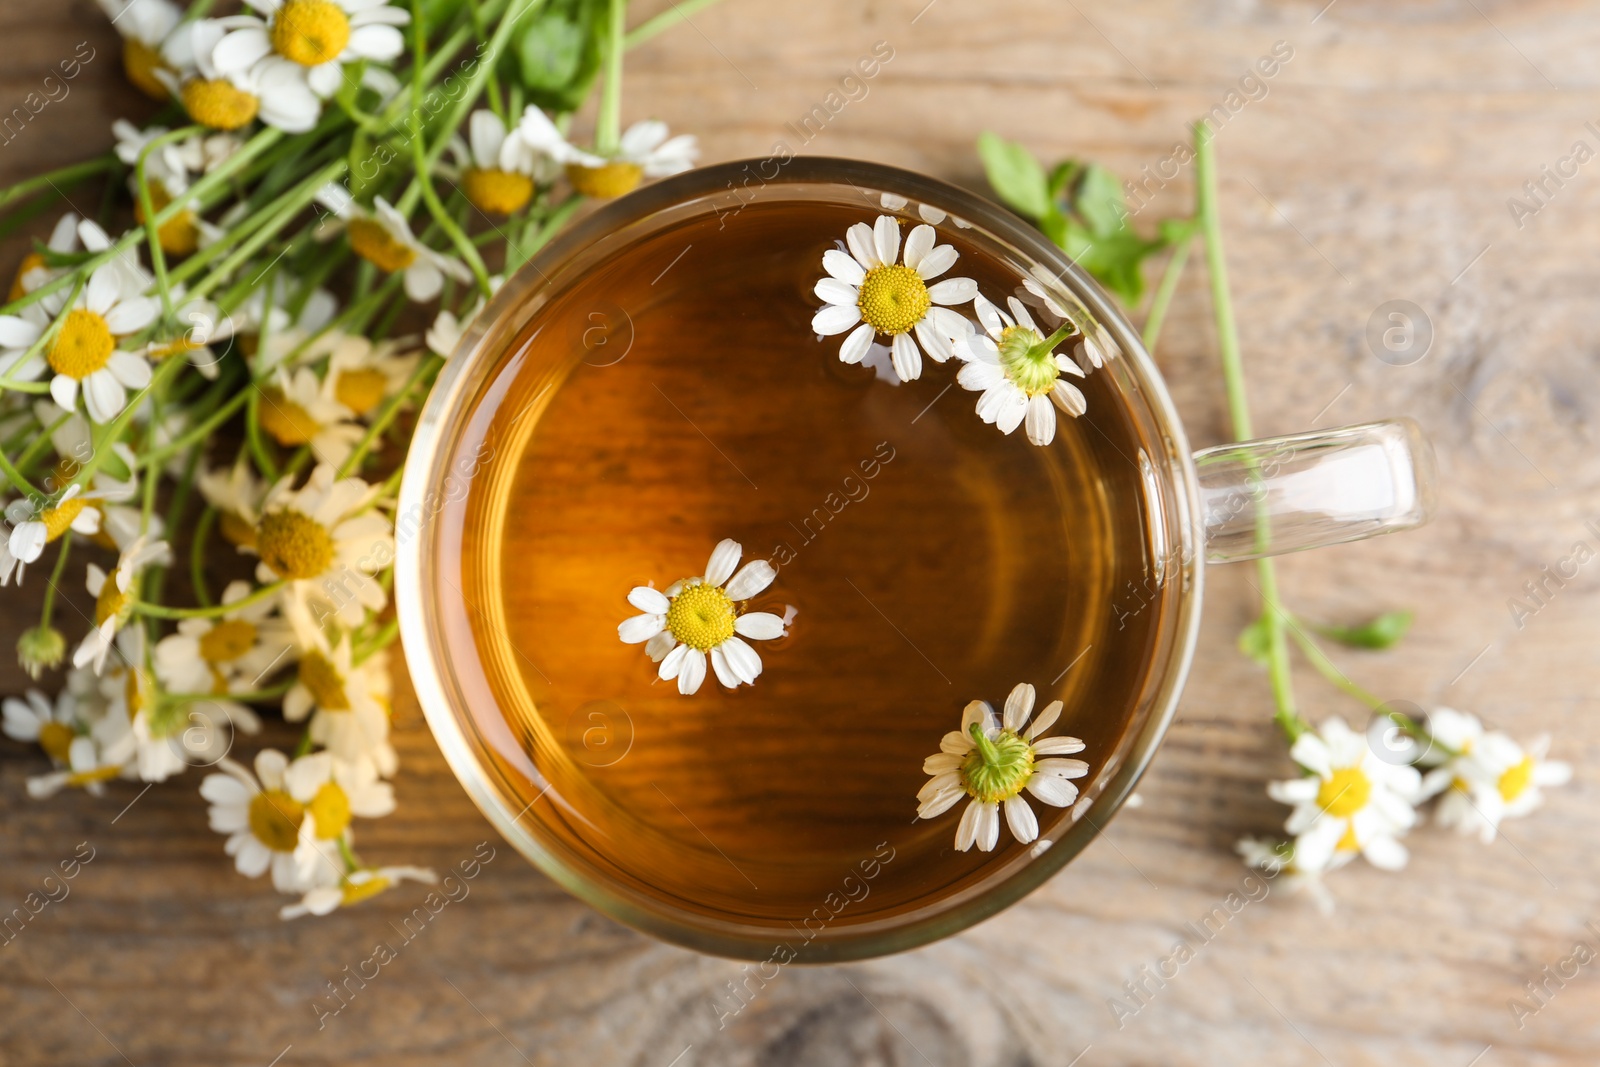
<point x="1232" y="502"/>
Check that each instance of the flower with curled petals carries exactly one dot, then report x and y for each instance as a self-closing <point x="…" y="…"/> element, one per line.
<point x="878" y="287"/>
<point x="700" y="618"/>
<point x="1019" y="373"/>
<point x="992" y="761"/>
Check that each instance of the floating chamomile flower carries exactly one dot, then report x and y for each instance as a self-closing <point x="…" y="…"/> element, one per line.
<point x="318" y="36"/>
<point x="356" y="887"/>
<point x="992" y="762"/>
<point x="643" y="151"/>
<point x="327" y="544"/>
<point x="700" y="617"/>
<point x="867" y="286"/>
<point x="268" y="828"/>
<point x="497" y="165"/>
<point x="143" y="25"/>
<point x="1093" y="340"/>
<point x="383" y="237"/>
<point x="1349" y="800"/>
<point x="1489" y="778"/>
<point x="1018" y="372"/>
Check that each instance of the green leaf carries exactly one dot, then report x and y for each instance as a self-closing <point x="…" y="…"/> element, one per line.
<point x="1062" y="177"/>
<point x="557" y="55"/>
<point x="1099" y="202"/>
<point x="1113" y="259"/>
<point x="1383" y="632"/>
<point x="1016" y="176"/>
<point x="1255" y="641"/>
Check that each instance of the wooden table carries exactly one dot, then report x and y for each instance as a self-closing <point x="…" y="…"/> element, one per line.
<point x="1377" y="166"/>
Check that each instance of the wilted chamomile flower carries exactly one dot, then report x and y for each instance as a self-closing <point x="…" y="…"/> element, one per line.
<point x="40" y="649"/>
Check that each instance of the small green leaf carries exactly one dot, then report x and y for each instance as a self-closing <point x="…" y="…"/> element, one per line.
<point x="1255" y="641"/>
<point x="1113" y="259"/>
<point x="1062" y="177"/>
<point x="1099" y="202"/>
<point x="1383" y="632"/>
<point x="557" y="55"/>
<point x="1016" y="176"/>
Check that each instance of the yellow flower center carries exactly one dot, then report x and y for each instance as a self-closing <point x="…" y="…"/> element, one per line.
<point x="356" y="892"/>
<point x="179" y="235"/>
<point x="701" y="617"/>
<point x="360" y="390"/>
<point x="372" y="241"/>
<point x="218" y="103"/>
<point x="287" y="422"/>
<point x="59" y="519"/>
<point x="330" y="811"/>
<point x="1345" y="793"/>
<point x="56" y="740"/>
<point x="82" y="346"/>
<point x="294" y="545"/>
<point x="325" y="683"/>
<point x="605" y="181"/>
<point x="30" y="262"/>
<point x="1348" y="842"/>
<point x="499" y="192"/>
<point x="997" y="768"/>
<point x="112" y="603"/>
<point x="236" y="530"/>
<point x="1516" y="780"/>
<point x="227" y="641"/>
<point x="893" y="299"/>
<point x="140" y="62"/>
<point x="310" y="32"/>
<point x="275" y="819"/>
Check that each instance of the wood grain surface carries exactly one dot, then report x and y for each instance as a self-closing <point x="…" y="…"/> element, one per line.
<point x="1376" y="165"/>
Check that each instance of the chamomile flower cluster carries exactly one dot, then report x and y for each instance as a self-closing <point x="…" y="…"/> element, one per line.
<point x="207" y="390"/>
<point x="1360" y="793"/>
<point x="878" y="286"/>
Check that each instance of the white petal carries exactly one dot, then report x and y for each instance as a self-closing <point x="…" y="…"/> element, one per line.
<point x="1057" y="792"/>
<point x="693" y="673"/>
<point x="659" y="645"/>
<point x="967" y="829"/>
<point x="933" y="340"/>
<point x="936" y="262"/>
<point x="1019" y="702"/>
<point x="17" y="332"/>
<point x="906" y="358"/>
<point x="988" y="829"/>
<point x="1020" y="818"/>
<point x="103" y="396"/>
<point x="377" y="42"/>
<point x="886" y="238"/>
<point x="423" y="281"/>
<point x="240" y="49"/>
<point x="724" y="558"/>
<point x="833" y="291"/>
<point x="650" y="601"/>
<point x="858" y="239"/>
<point x="673" y="663"/>
<point x="1041" y="420"/>
<point x="1057" y="746"/>
<point x="129" y="369"/>
<point x="918" y="244"/>
<point x="724" y="673"/>
<point x="759" y="626"/>
<point x="742" y="659"/>
<point x="843" y="267"/>
<point x="1068" y="398"/>
<point x="835" y="318"/>
<point x="640" y="628"/>
<point x="1385" y="853"/>
<point x="751" y="579"/>
<point x="953" y="291"/>
<point x="855" y="347"/>
<point x="1047" y="718"/>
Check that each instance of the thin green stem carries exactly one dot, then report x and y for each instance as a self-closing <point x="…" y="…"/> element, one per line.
<point x="1325" y="667"/>
<point x="608" y="125"/>
<point x="161" y="611"/>
<point x="197" y="555"/>
<point x="387" y="414"/>
<point x="1165" y="290"/>
<point x="53" y="180"/>
<point x="55" y="580"/>
<point x="678" y="12"/>
<point x="1278" y="670"/>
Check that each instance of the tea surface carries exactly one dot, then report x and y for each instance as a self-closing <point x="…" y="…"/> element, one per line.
<point x="677" y="396"/>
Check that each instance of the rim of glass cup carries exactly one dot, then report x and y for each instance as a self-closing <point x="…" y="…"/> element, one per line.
<point x="727" y="188"/>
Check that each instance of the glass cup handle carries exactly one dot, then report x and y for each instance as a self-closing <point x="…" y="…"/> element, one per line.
<point x="1306" y="490"/>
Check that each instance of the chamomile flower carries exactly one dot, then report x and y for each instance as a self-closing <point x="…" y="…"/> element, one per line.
<point x="1348" y="801"/>
<point x="383" y="237"/>
<point x="71" y="511"/>
<point x="203" y="342"/>
<point x="273" y="89"/>
<point x="700" y="617"/>
<point x="267" y="827"/>
<point x="144" y="25"/>
<point x="300" y="409"/>
<point x="1094" y="343"/>
<point x="363" y="373"/>
<point x="348" y="704"/>
<point x="644" y="151"/>
<point x="52" y="725"/>
<point x="86" y="769"/>
<point x="447" y="330"/>
<point x="992" y="762"/>
<point x="1015" y="367"/>
<point x="1490" y="778"/>
<point x="497" y="166"/>
<point x="33" y="272"/>
<point x="334" y="792"/>
<point x="325" y="543"/>
<point x="1279" y="861"/>
<point x="84" y="354"/>
<point x="233" y="651"/>
<point x="114" y="594"/>
<point x="356" y="887"/>
<point x="236" y="494"/>
<point x="876" y="288"/>
<point x="318" y="36"/>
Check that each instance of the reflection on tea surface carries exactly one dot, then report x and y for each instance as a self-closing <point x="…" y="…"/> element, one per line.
<point x="677" y="396"/>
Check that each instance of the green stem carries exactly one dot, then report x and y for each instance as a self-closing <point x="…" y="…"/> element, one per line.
<point x="608" y="125"/>
<point x="1325" y="667"/>
<point x="152" y="232"/>
<point x="1288" y="718"/>
<point x="387" y="414"/>
<point x="678" y="12"/>
<point x="55" y="581"/>
<point x="161" y="611"/>
<point x="1165" y="291"/>
<point x="72" y="173"/>
<point x="197" y="556"/>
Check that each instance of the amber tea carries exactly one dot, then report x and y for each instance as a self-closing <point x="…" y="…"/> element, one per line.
<point x="676" y="395"/>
